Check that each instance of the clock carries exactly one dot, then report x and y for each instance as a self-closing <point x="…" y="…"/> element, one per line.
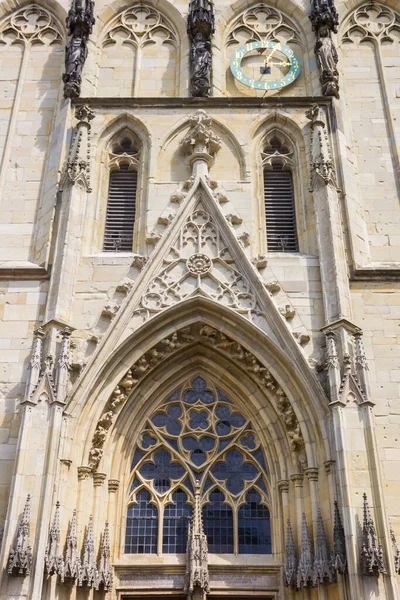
<point x="277" y="58"/>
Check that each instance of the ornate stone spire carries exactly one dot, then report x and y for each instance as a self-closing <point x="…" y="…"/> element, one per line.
<point x="80" y="21"/>
<point x="322" y="170"/>
<point x="77" y="166"/>
<point x="88" y="571"/>
<point x="361" y="363"/>
<point x="35" y="363"/>
<point x="290" y="566"/>
<point x="372" y="561"/>
<point x="201" y="143"/>
<point x="396" y="551"/>
<point x="339" y="557"/>
<point x="62" y="367"/>
<point x="332" y="365"/>
<point x="20" y="557"/>
<point x="72" y="561"/>
<point x="105" y="572"/>
<point x="54" y="562"/>
<point x="197" y="576"/>
<point x="305" y="567"/>
<point x="325" y="20"/>
<point x="200" y="27"/>
<point x="322" y="568"/>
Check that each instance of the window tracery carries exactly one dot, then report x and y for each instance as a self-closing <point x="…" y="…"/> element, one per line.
<point x="198" y="435"/>
<point x="30" y="25"/>
<point x="372" y="21"/>
<point x="263" y="23"/>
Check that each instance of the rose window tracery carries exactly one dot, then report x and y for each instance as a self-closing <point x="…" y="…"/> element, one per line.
<point x="197" y="436"/>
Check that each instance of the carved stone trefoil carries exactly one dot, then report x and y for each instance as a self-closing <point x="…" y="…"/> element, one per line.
<point x="322" y="568"/>
<point x="80" y="21"/>
<point x="53" y="560"/>
<point x="88" y="571"/>
<point x="339" y="557"/>
<point x="76" y="169"/>
<point x="290" y="566"/>
<point x="305" y="566"/>
<point x="372" y="560"/>
<point x="200" y="27"/>
<point x="20" y="557"/>
<point x="72" y="563"/>
<point x="325" y="20"/>
<point x="322" y="169"/>
<point x="197" y="576"/>
<point x="105" y="572"/>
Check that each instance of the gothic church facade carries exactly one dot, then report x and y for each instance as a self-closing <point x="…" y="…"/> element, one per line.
<point x="199" y="299"/>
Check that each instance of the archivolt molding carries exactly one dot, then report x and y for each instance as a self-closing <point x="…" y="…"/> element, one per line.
<point x="177" y="341"/>
<point x="32" y="24"/>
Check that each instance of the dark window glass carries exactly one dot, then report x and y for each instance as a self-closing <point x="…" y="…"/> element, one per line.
<point x="121" y="208"/>
<point x="280" y="211"/>
<point x="254" y="526"/>
<point x="176" y="524"/>
<point x="141" y="526"/>
<point x="218" y="524"/>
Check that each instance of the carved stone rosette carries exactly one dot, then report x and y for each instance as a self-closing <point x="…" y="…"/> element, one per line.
<point x="200" y="27"/>
<point x="80" y="21"/>
<point x="324" y="19"/>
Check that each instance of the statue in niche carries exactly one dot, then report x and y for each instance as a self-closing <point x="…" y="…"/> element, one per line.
<point x="200" y="58"/>
<point x="327" y="59"/>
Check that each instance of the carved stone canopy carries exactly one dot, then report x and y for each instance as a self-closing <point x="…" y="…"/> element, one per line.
<point x="201" y="142"/>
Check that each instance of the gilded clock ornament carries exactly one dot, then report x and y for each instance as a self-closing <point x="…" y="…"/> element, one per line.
<point x="278" y="58"/>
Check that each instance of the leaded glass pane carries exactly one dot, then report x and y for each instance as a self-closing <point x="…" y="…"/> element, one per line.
<point x="218" y="524"/>
<point x="254" y="526"/>
<point x="141" y="526"/>
<point x="176" y="524"/>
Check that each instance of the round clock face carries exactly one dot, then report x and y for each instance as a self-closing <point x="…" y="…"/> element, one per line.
<point x="279" y="65"/>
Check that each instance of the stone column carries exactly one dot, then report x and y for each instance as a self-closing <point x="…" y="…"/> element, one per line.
<point x="298" y="479"/>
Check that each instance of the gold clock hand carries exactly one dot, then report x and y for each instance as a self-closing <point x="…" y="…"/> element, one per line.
<point x="277" y="47"/>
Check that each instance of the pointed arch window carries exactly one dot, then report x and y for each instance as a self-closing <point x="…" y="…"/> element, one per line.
<point x="198" y="439"/>
<point x="122" y="194"/>
<point x="141" y="526"/>
<point x="279" y="200"/>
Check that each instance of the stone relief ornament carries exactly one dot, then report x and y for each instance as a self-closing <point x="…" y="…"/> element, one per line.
<point x="372" y="560"/>
<point x="167" y="346"/>
<point x="322" y="168"/>
<point x="325" y="20"/>
<point x="80" y="21"/>
<point x="200" y="27"/>
<point x="201" y="141"/>
<point x="20" y="557"/>
<point x="395" y="550"/>
<point x="31" y="25"/>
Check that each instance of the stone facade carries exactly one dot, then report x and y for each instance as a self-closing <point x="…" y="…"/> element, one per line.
<point x="306" y="344"/>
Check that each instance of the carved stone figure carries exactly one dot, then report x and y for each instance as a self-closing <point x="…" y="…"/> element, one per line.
<point x="200" y="26"/>
<point x="324" y="20"/>
<point x="80" y="21"/>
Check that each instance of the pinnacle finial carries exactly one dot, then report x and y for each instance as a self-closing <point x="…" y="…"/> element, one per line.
<point x="339" y="558"/>
<point x="304" y="569"/>
<point x="290" y="566"/>
<point x="372" y="560"/>
<point x="20" y="557"/>
<point x="322" y="568"/>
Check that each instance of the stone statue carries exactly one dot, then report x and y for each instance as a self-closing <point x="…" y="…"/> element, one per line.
<point x="80" y="21"/>
<point x="324" y="20"/>
<point x="200" y="59"/>
<point x="200" y="26"/>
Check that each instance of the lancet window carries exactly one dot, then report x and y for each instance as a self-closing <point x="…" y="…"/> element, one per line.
<point x="122" y="194"/>
<point x="279" y="200"/>
<point x="198" y="437"/>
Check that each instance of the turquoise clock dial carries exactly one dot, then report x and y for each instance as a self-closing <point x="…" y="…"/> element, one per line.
<point x="280" y="55"/>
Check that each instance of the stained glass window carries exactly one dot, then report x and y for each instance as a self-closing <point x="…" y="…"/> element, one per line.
<point x="254" y="526"/>
<point x="176" y="524"/>
<point x="218" y="524"/>
<point x="198" y="434"/>
<point x="141" y="526"/>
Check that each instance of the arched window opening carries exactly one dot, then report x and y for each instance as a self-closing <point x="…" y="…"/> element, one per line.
<point x="197" y="439"/>
<point x="218" y="524"/>
<point x="141" y="526"/>
<point x="176" y="524"/>
<point x="254" y="526"/>
<point x="122" y="195"/>
<point x="280" y="209"/>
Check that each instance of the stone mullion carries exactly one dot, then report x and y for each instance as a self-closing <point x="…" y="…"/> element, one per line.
<point x="138" y="64"/>
<point x="235" y="518"/>
<point x="160" y="508"/>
